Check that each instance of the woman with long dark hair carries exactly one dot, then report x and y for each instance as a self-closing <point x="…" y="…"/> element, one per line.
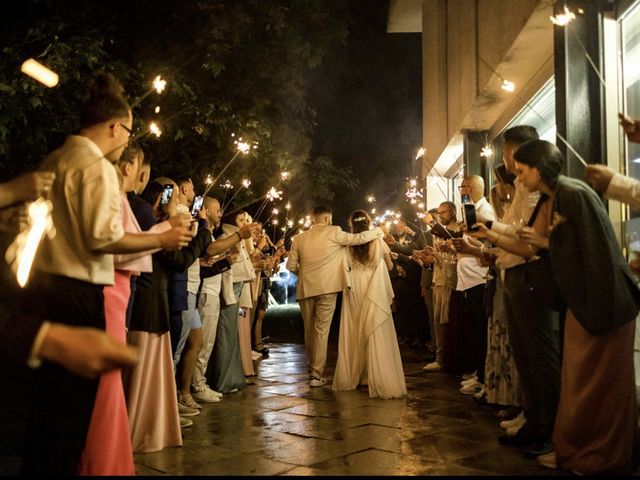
<point x="368" y="352"/>
<point x="596" y="421"/>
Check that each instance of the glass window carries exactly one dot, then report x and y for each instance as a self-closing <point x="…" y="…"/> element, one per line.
<point x="630" y="66"/>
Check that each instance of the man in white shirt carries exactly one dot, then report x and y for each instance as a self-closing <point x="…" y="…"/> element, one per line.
<point x="318" y="257"/>
<point x="72" y="268"/>
<point x="466" y="337"/>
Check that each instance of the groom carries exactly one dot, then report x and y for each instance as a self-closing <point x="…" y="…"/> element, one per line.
<point x="318" y="257"/>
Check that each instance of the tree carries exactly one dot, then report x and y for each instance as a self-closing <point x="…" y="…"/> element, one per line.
<point x="233" y="68"/>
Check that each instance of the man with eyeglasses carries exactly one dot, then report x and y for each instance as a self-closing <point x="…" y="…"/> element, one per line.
<point x="72" y="268"/>
<point x="444" y="281"/>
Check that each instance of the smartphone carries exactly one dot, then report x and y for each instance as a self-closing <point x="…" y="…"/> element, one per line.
<point x="166" y="194"/>
<point x="470" y="216"/>
<point x="197" y="205"/>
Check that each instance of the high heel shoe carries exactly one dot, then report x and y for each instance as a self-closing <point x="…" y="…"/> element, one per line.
<point x="264" y="351"/>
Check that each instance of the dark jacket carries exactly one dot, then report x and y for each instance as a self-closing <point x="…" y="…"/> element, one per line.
<point x="590" y="271"/>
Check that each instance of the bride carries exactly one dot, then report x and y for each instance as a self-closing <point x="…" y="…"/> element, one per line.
<point x="368" y="352"/>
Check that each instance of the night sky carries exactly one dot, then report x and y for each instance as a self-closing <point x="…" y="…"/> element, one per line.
<point x="368" y="97"/>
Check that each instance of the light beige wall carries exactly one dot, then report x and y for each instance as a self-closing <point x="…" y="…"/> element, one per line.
<point x="462" y="80"/>
<point x="461" y="91"/>
<point x="434" y="74"/>
<point x="498" y="28"/>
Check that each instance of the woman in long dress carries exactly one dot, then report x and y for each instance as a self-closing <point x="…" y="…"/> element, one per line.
<point x="368" y="352"/>
<point x="596" y="423"/>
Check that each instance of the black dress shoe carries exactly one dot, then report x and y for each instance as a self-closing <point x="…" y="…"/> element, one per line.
<point x="523" y="438"/>
<point x="540" y="447"/>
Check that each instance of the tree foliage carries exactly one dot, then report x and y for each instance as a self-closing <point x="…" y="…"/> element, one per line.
<point x="233" y="67"/>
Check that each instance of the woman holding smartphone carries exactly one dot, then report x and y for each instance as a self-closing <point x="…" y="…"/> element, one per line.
<point x="596" y="422"/>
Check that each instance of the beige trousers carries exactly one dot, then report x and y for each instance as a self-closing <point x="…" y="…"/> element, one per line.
<point x="317" y="313"/>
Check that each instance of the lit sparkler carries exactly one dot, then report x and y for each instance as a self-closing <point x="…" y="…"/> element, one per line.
<point x="508" y="86"/>
<point x="159" y="84"/>
<point x="246" y="182"/>
<point x="486" y="151"/>
<point x="284" y="175"/>
<point x="563" y="19"/>
<point x="420" y="153"/>
<point x="274" y="194"/>
<point x="157" y="110"/>
<point x="371" y="199"/>
<point x="154" y="129"/>
<point x="22" y="251"/>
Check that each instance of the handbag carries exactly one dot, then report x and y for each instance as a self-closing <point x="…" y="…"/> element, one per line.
<point x="539" y="274"/>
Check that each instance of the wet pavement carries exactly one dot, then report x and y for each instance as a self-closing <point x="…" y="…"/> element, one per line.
<point x="281" y="426"/>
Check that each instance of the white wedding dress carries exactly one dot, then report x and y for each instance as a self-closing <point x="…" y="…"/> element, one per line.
<point x="368" y="352"/>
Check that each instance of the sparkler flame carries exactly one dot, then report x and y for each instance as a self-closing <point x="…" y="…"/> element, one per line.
<point x="242" y="147"/>
<point x="288" y="206"/>
<point x="227" y="185"/>
<point x="208" y="180"/>
<point x="155" y="129"/>
<point x="157" y="110"/>
<point x="275" y="211"/>
<point x="246" y="182"/>
<point x="273" y="194"/>
<point x="284" y="175"/>
<point x="486" y="151"/>
<point x="563" y="19"/>
<point x="371" y="199"/>
<point x="159" y="84"/>
<point x="508" y="86"/>
<point x="420" y="153"/>
<point x="22" y="251"/>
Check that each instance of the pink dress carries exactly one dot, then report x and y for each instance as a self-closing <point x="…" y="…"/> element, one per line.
<point x="108" y="448"/>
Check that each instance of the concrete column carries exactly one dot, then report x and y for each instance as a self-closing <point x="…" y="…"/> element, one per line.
<point x="474" y="164"/>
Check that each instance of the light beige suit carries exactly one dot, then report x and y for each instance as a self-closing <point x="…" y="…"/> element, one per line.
<point x="319" y="258"/>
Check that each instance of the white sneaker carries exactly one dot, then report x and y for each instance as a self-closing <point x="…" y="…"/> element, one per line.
<point x="514" y="422"/>
<point x="470" y="381"/>
<point x="472" y="389"/>
<point x="185" y="422"/>
<point x="316" y="382"/>
<point x="255" y="355"/>
<point x="207" y="395"/>
<point x="188" y="401"/>
<point x="468" y="376"/>
<point x="548" y="460"/>
<point x="432" y="367"/>
<point x="480" y="394"/>
<point x="185" y="411"/>
<point x="512" y="431"/>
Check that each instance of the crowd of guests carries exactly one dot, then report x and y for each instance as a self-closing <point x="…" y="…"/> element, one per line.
<point x="533" y="304"/>
<point x="132" y="264"/>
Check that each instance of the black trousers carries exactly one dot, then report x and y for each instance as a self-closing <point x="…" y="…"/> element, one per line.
<point x="534" y="335"/>
<point x="61" y="402"/>
<point x="466" y="334"/>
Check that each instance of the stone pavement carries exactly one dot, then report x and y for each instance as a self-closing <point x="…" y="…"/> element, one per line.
<point x="281" y="426"/>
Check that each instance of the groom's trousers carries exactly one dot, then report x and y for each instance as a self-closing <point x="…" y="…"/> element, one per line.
<point x="317" y="313"/>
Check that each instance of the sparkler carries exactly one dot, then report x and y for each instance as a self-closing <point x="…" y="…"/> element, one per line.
<point x="284" y="175"/>
<point x="157" y="109"/>
<point x="241" y="147"/>
<point x="159" y="84"/>
<point x="245" y="184"/>
<point x="154" y="129"/>
<point x="21" y="253"/>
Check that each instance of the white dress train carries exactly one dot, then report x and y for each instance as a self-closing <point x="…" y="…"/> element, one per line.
<point x="368" y="352"/>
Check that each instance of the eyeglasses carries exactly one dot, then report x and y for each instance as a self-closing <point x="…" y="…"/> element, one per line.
<point x="129" y="131"/>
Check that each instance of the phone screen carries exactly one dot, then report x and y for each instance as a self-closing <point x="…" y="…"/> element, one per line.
<point x="470" y="216"/>
<point x="197" y="205"/>
<point x="166" y="194"/>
